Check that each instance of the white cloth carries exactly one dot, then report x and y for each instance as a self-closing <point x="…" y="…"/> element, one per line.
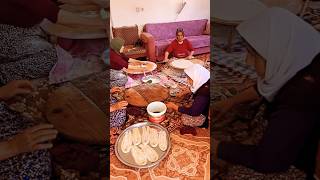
<point x="286" y="42"/>
<point x="199" y="76"/>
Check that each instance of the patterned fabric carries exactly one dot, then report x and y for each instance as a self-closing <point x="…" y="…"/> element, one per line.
<point x="189" y="158"/>
<point x="312" y="16"/>
<point x="35" y="165"/>
<point x="130" y="34"/>
<point x="24" y="53"/>
<point x="224" y="75"/>
<point x="234" y="60"/>
<point x="192" y="121"/>
<point x="117" y="78"/>
<point x="117" y="118"/>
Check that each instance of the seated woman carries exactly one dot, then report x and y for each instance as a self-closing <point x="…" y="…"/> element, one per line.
<point x="118" y="60"/>
<point x="117" y="109"/>
<point x="180" y="47"/>
<point x="25" y="51"/>
<point x="23" y="144"/>
<point x="199" y="77"/>
<point x="285" y="53"/>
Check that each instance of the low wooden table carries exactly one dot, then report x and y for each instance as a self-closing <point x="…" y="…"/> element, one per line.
<point x="232" y="12"/>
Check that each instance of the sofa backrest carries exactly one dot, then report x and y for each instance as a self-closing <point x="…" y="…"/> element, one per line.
<point x="168" y="30"/>
<point x="129" y="34"/>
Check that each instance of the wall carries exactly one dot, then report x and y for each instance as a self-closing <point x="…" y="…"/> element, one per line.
<point x="123" y="12"/>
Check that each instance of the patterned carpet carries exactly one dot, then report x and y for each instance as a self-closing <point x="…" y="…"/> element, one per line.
<point x="245" y="123"/>
<point x="189" y="157"/>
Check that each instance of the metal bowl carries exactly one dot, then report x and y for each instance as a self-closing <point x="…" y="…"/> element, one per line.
<point x="128" y="160"/>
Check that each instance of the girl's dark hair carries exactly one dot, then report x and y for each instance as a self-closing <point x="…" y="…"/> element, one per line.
<point x="179" y="30"/>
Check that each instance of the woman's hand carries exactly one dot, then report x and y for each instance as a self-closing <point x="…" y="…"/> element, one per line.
<point x="118" y="106"/>
<point x="222" y="107"/>
<point x="34" y="138"/>
<point x="116" y="90"/>
<point x="13" y="88"/>
<point x="172" y="105"/>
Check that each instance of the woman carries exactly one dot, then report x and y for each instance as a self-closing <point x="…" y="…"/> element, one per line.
<point x="117" y="109"/>
<point x="180" y="47"/>
<point x="118" y="60"/>
<point x="25" y="53"/>
<point x="22" y="143"/>
<point x="285" y="53"/>
<point x="199" y="77"/>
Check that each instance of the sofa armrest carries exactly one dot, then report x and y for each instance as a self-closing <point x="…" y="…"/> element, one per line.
<point x="149" y="42"/>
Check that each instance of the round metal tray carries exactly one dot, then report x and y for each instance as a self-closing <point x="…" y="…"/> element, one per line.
<point x="128" y="160"/>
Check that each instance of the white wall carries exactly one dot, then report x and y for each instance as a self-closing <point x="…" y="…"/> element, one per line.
<point x="123" y="12"/>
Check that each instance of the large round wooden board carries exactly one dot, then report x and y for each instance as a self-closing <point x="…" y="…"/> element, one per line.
<point x="150" y="66"/>
<point x="144" y="94"/>
<point x="76" y="116"/>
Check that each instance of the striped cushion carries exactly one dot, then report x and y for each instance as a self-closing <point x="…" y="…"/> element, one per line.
<point x="128" y="33"/>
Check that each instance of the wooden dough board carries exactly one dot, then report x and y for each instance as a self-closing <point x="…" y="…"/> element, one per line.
<point x="144" y="94"/>
<point x="76" y="116"/>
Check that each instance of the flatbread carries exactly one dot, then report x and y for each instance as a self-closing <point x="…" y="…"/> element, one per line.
<point x="126" y="143"/>
<point x="145" y="135"/>
<point x="154" y="137"/>
<point x="138" y="155"/>
<point x="150" y="153"/>
<point x="136" y="136"/>
<point x="163" y="143"/>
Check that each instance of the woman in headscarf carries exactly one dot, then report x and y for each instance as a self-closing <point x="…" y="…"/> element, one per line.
<point x="118" y="60"/>
<point x="199" y="79"/>
<point x="23" y="144"/>
<point x="25" y="52"/>
<point x="118" y="113"/>
<point x="285" y="53"/>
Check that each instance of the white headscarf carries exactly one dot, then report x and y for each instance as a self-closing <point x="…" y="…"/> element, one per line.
<point x="286" y="42"/>
<point x="199" y="76"/>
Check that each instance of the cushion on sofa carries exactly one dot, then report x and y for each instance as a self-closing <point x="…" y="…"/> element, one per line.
<point x="128" y="33"/>
<point x="162" y="31"/>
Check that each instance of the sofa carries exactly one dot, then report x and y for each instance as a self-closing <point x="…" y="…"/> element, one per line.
<point x="158" y="36"/>
<point x="130" y="35"/>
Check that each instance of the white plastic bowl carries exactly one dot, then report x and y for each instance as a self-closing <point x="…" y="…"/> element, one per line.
<point x="156" y="109"/>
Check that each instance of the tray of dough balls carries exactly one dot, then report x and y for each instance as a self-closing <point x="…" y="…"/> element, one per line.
<point x="143" y="145"/>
